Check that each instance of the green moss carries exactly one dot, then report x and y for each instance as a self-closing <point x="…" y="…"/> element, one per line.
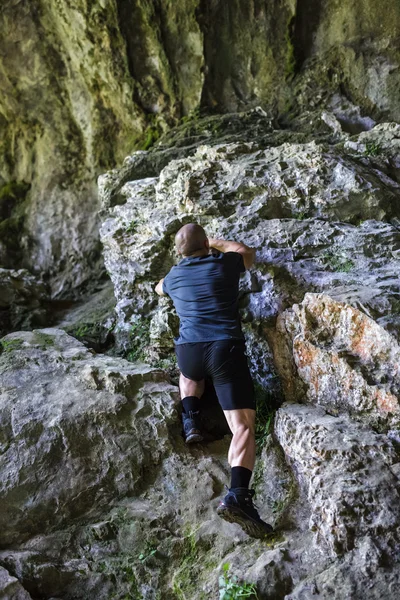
<point x="121" y="571"/>
<point x="336" y="260"/>
<point x="194" y="115"/>
<point x="139" y="338"/>
<point x="264" y="416"/>
<point x="44" y="339"/>
<point x="186" y="576"/>
<point x="149" y="137"/>
<point x="11" y="345"/>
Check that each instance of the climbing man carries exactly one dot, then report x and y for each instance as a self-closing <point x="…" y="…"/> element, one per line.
<point x="204" y="288"/>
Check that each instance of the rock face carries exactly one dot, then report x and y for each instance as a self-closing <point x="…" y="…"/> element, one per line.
<point x="10" y="588"/>
<point x="22" y="301"/>
<point x="346" y="361"/>
<point x="346" y="471"/>
<point x="84" y="83"/>
<point x="310" y="210"/>
<point x="101" y="498"/>
<point x="56" y="390"/>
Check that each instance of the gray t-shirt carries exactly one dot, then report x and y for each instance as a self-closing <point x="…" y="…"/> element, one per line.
<point x="204" y="290"/>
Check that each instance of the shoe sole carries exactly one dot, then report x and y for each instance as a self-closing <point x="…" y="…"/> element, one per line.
<point x="193" y="438"/>
<point x="249" y="525"/>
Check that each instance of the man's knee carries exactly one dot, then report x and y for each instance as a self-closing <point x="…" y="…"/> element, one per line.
<point x="244" y="429"/>
<point x="189" y="387"/>
<point x="241" y="421"/>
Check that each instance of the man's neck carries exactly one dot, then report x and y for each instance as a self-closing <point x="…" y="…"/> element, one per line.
<point x="198" y="253"/>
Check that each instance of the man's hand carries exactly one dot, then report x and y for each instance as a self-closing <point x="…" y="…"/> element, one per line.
<point x="248" y="253"/>
<point x="159" y="287"/>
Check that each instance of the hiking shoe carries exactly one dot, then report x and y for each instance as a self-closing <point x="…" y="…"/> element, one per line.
<point x="237" y="507"/>
<point x="191" y="427"/>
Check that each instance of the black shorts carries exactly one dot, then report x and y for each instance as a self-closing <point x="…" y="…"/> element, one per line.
<point x="224" y="362"/>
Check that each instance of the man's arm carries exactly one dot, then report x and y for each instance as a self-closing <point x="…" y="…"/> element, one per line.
<point x="159" y="287"/>
<point x="248" y="253"/>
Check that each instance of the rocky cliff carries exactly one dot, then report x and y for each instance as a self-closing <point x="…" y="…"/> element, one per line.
<point x="298" y="156"/>
<point x="84" y="83"/>
<point x="100" y="496"/>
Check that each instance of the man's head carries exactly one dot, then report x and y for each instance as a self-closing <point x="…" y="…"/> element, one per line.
<point x="191" y="239"/>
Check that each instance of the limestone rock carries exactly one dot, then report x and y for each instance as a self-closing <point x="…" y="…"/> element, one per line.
<point x="83" y="85"/>
<point x="345" y="469"/>
<point x="92" y="319"/>
<point x="285" y="201"/>
<point x="10" y="588"/>
<point x="346" y="361"/>
<point x="23" y="299"/>
<point x="71" y="440"/>
<point x="101" y="497"/>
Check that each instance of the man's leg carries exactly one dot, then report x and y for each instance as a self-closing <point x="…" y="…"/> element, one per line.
<point x="237" y="506"/>
<point x="191" y="391"/>
<point x="242" y="451"/>
<point x="191" y="387"/>
<point x="234" y="388"/>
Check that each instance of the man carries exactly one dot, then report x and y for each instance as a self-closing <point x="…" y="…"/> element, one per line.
<point x="204" y="288"/>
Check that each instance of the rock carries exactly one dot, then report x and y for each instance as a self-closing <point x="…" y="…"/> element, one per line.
<point x="70" y="422"/>
<point x="278" y="199"/>
<point x="23" y="301"/>
<point x="113" y="76"/>
<point x="357" y="576"/>
<point x="346" y="361"/>
<point x="101" y="497"/>
<point x="345" y="468"/>
<point x="92" y="319"/>
<point x="10" y="588"/>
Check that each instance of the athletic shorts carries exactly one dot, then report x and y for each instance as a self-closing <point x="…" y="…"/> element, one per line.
<point x="224" y="362"/>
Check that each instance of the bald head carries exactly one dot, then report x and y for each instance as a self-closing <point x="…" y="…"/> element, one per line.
<point x="191" y="238"/>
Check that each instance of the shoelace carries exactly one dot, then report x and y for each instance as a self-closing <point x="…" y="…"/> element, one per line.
<point x="251" y="494"/>
<point x="193" y="414"/>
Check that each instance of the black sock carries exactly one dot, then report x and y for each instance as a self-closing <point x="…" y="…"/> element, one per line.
<point x="191" y="404"/>
<point x="240" y="477"/>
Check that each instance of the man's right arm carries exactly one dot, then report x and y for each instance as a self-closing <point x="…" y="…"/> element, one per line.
<point x="248" y="253"/>
<point x="159" y="287"/>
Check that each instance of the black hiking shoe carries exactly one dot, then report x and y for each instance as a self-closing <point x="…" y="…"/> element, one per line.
<point x="237" y="507"/>
<point x="191" y="427"/>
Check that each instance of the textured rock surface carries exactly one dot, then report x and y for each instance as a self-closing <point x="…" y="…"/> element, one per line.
<point x="23" y="300"/>
<point x="53" y="390"/>
<point x="101" y="498"/>
<point x="343" y="359"/>
<point x="84" y="83"/>
<point x="285" y="200"/>
<point x="346" y="471"/>
<point x="10" y="588"/>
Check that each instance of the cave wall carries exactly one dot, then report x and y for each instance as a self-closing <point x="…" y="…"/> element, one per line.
<point x="84" y="82"/>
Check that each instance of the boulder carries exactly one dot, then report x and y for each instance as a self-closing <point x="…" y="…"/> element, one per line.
<point x="71" y="441"/>
<point x="341" y="359"/>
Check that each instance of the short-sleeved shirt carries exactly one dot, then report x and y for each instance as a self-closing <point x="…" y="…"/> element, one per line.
<point x="204" y="290"/>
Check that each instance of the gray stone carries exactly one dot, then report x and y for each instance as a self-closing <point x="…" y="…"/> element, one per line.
<point x="71" y="441"/>
<point x="345" y="469"/>
<point x="10" y="588"/>
<point x="23" y="299"/>
<point x="345" y="361"/>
